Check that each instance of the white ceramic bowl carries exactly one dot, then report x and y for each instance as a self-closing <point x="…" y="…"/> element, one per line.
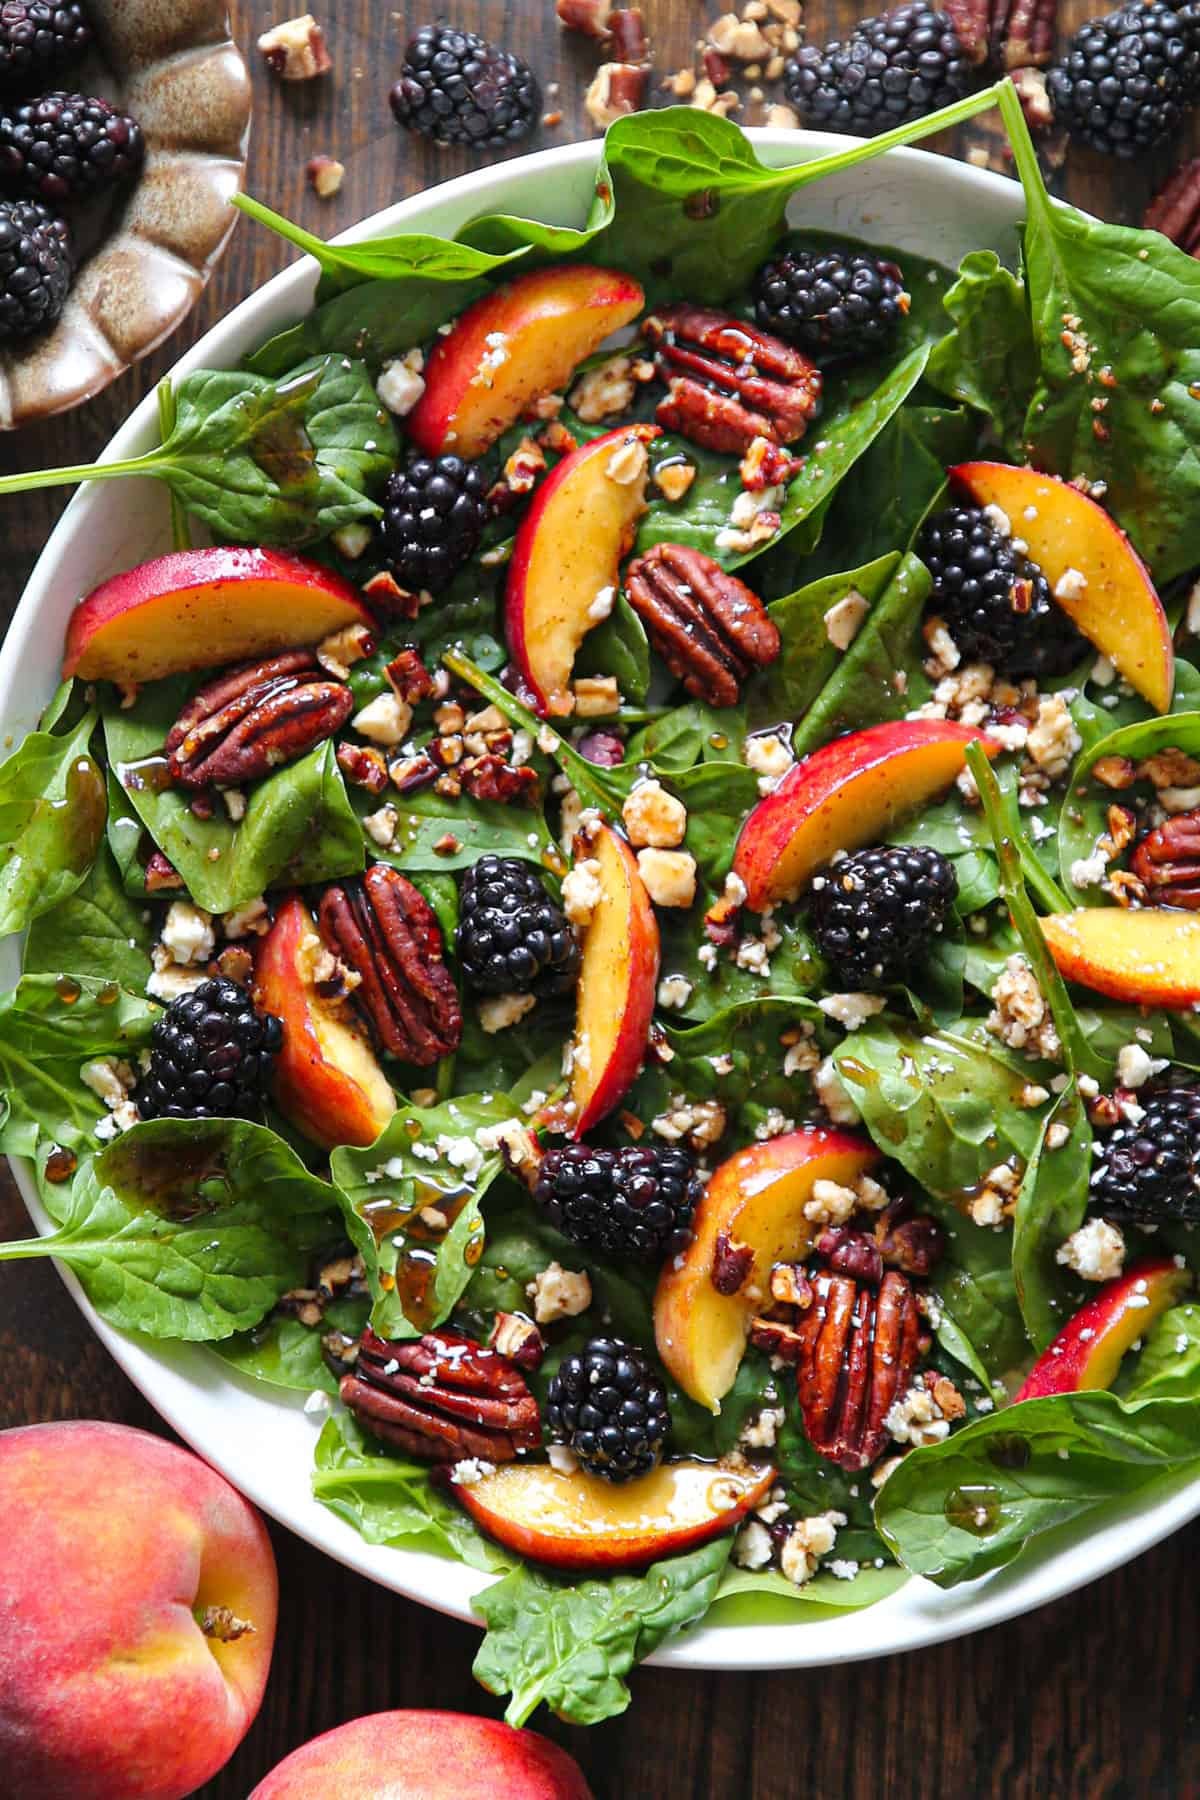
<point x="260" y="1437"/>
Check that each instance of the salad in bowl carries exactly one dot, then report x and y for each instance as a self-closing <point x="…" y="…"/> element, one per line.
<point x="619" y="914"/>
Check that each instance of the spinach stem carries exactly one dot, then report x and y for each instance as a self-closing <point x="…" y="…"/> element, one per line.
<point x="800" y="175"/>
<point x="22" y="1248"/>
<point x="284" y="228"/>
<point x="168" y="413"/>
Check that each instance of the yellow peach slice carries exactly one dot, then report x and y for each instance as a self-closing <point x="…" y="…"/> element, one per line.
<point x="1150" y="956"/>
<point x="617" y="980"/>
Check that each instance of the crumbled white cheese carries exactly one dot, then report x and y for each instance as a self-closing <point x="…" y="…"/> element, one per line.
<point x="499" y="1011"/>
<point x="399" y="387"/>
<point x="1071" y="585"/>
<point x="1096" y="1251"/>
<point x="843" y="621"/>
<point x="752" y="1546"/>
<point x="851" y="1010"/>
<point x="582" y="891"/>
<point x="251" y="920"/>
<point x="170" y="978"/>
<point x="1135" y="1067"/>
<point x="770" y="756"/>
<point x="917" y="1418"/>
<point x="669" y="875"/>
<point x="1021" y="1017"/>
<point x="654" y="817"/>
<point x="380" y="826"/>
<point x="471" y="1470"/>
<point x="806" y="1543"/>
<point x="831" y="1092"/>
<point x="188" y="933"/>
<point x="762" y="1432"/>
<point x="384" y="720"/>
<point x="109" y="1079"/>
<point x="559" y="1293"/>
<point x="673" y="990"/>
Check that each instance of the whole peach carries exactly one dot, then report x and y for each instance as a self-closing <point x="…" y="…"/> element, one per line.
<point x="426" y="1756"/>
<point x="138" y="1597"/>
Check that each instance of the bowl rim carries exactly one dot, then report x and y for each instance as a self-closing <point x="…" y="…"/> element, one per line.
<point x="176" y="1378"/>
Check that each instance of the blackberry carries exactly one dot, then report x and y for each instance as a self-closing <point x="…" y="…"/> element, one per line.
<point x="36" y="264"/>
<point x="1123" y="81"/>
<point x="512" y="937"/>
<point x="895" y="67"/>
<point x="831" y="303"/>
<point x="434" y="510"/>
<point x="608" y="1406"/>
<point x="1150" y="1172"/>
<point x="67" y="146"/>
<point x="996" y="603"/>
<point x="457" y="88"/>
<point x="39" y="37"/>
<point x="210" y="1056"/>
<point x="875" y="912"/>
<point x="628" y="1202"/>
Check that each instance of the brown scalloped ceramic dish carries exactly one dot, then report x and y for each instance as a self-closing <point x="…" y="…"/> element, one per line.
<point x="175" y="67"/>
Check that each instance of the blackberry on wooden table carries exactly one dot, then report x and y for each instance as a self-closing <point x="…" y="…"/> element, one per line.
<point x="1124" y="80"/>
<point x="512" y="937"/>
<point x="38" y="38"/>
<point x="832" y="303"/>
<point x="434" y="510"/>
<point x="457" y="88"/>
<point x="66" y="147"/>
<point x="36" y="264"/>
<point x="610" y="1408"/>
<point x="635" y="1201"/>
<point x="210" y="1056"/>
<point x="875" y="913"/>
<point x="897" y="66"/>
<point x="996" y="603"/>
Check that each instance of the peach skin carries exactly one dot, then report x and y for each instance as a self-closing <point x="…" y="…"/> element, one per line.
<point x="1087" y="1351"/>
<point x="618" y="976"/>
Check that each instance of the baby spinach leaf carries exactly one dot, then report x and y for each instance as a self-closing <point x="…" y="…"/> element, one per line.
<point x="97" y="931"/>
<point x="1084" y="809"/>
<point x="188" y="1228"/>
<point x="281" y="1352"/>
<point x="426" y="1158"/>
<point x="52" y="811"/>
<point x="954" y="1510"/>
<point x="795" y="966"/>
<point x="570" y="1643"/>
<point x="1169" y="1365"/>
<point x="425" y="820"/>
<point x="299" y="825"/>
<point x="988" y="360"/>
<point x="1116" y="324"/>
<point x="760" y="1596"/>
<point x="787" y="688"/>
<point x="264" y="462"/>
<point x="618" y="647"/>
<point x="391" y="1501"/>
<point x="1050" y="1206"/>
<point x="863" y="689"/>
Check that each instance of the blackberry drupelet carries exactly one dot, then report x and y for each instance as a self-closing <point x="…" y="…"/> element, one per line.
<point x="1150" y="1172"/>
<point x="36" y="264"/>
<point x="628" y="1202"/>
<point x="39" y="37"/>
<point x="512" y="937"/>
<point x="67" y="146"/>
<point x="876" y="912"/>
<point x="457" y="88"/>
<point x="434" y="510"/>
<point x="608" y="1406"/>
<point x="891" y="68"/>
<point x="1123" y="81"/>
<point x="831" y="303"/>
<point x="996" y="603"/>
<point x="210" y="1056"/>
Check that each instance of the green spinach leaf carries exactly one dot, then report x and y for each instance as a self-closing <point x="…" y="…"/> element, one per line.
<point x="52" y="812"/>
<point x="988" y="360"/>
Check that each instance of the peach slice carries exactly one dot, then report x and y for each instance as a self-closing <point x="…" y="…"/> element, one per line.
<point x="1150" y="956"/>
<point x="1087" y="1351"/>
<point x="326" y="1079"/>
<point x="579" y="1521"/>
<point x="197" y="609"/>
<point x="618" y="976"/>
<point x="567" y="556"/>
<point x="845" y="794"/>
<point x="754" y="1204"/>
<point x="515" y="344"/>
<point x="1095" y="574"/>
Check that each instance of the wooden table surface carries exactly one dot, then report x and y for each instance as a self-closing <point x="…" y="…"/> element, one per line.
<point x="1093" y="1696"/>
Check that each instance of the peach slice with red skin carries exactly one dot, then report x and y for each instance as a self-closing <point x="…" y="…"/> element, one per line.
<point x="1149" y="955"/>
<point x="1095" y="574"/>
<point x="580" y="1521"/>
<point x="618" y="977"/>
<point x="756" y="1199"/>
<point x="845" y="794"/>
<point x="201" y="609"/>
<point x="566" y="553"/>
<point x="518" y="342"/>
<point x="326" y="1079"/>
<point x="1087" y="1351"/>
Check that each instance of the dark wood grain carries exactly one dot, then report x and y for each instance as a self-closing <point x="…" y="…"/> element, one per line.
<point x="1093" y="1697"/>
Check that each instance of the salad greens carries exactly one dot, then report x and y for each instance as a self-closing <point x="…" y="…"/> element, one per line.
<point x="986" y="1081"/>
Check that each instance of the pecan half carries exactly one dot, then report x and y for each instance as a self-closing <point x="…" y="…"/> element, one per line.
<point x="1167" y="862"/>
<point x="727" y="381"/>
<point x="857" y="1354"/>
<point x="910" y="1241"/>
<point x="386" y="932"/>
<point x="442" y="1397"/>
<point x="709" y="628"/>
<point x="254" y="718"/>
<point x="1175" y="209"/>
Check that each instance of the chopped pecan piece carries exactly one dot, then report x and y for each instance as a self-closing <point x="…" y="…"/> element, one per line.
<point x="709" y="628"/>
<point x="911" y="1242"/>
<point x="442" y="1398"/>
<point x="852" y="1253"/>
<point x="254" y="718"/>
<point x="363" y="766"/>
<point x="731" y="1264"/>
<point x="386" y="932"/>
<point x="1167" y="862"/>
<point x="727" y="381"/>
<point x="1175" y="209"/>
<point x="161" y="874"/>
<point x="491" y="778"/>
<point x="858" y="1352"/>
<point x="518" y="1338"/>
<point x="408" y="677"/>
